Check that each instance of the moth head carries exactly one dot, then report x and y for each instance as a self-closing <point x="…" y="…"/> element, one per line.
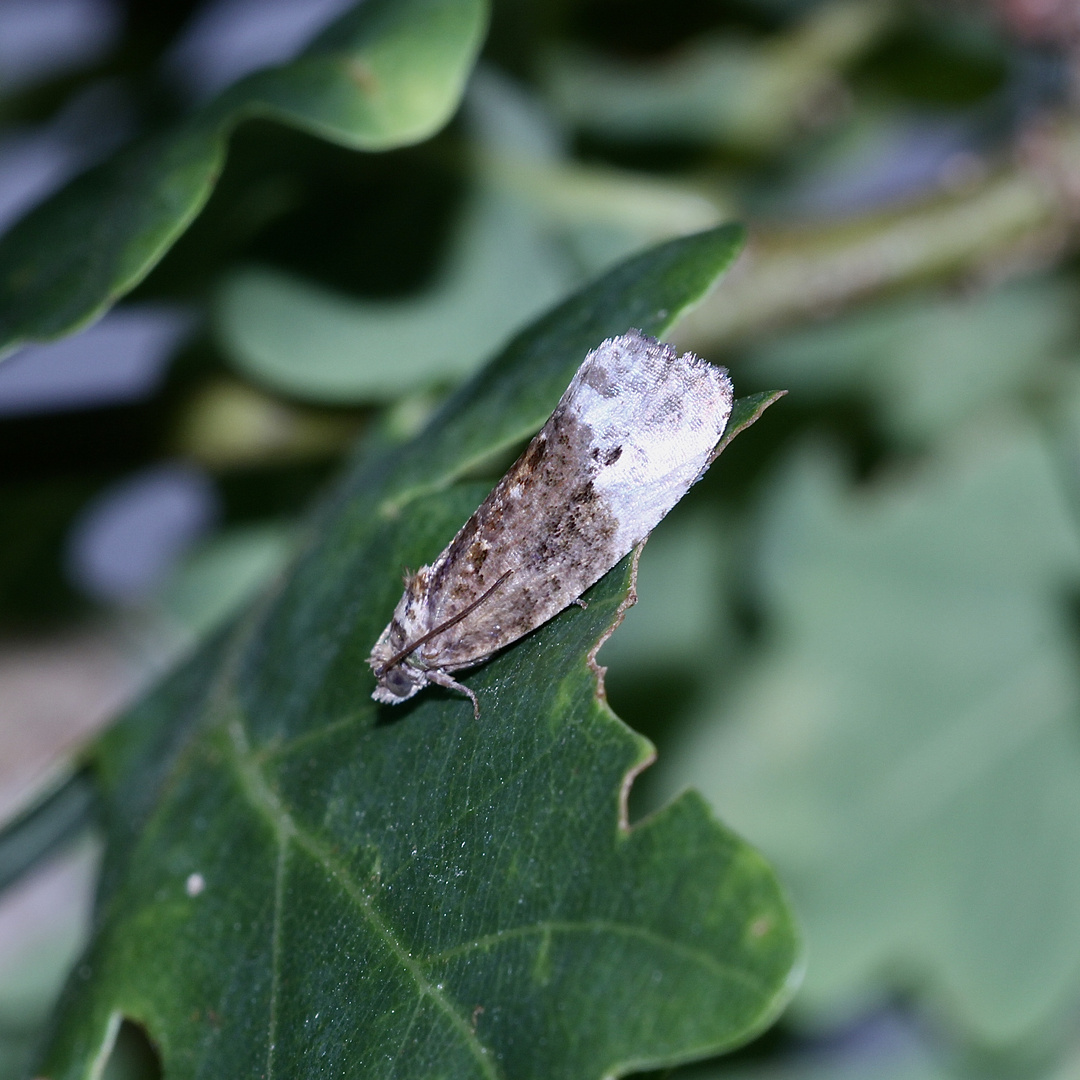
<point x="399" y="683"/>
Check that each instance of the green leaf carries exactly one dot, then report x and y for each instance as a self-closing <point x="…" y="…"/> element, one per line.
<point x="905" y="744"/>
<point x="298" y="882"/>
<point x="744" y="412"/>
<point x="386" y="74"/>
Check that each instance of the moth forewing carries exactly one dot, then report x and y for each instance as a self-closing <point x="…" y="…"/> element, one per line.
<point x="633" y="432"/>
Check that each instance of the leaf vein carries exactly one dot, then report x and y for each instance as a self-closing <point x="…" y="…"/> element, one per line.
<point x="275" y="951"/>
<point x="265" y="801"/>
<point x="727" y="971"/>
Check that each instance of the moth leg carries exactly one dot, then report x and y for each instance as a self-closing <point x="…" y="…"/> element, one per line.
<point x="440" y="678"/>
<point x="580" y="603"/>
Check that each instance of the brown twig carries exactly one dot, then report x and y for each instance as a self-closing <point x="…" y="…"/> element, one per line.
<point x="1023" y="214"/>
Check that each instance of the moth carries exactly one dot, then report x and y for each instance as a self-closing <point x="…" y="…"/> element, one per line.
<point x="636" y="428"/>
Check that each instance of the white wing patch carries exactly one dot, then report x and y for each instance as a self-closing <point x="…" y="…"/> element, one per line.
<point x="656" y="417"/>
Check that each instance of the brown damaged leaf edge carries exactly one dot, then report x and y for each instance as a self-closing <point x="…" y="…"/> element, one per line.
<point x="745" y="413"/>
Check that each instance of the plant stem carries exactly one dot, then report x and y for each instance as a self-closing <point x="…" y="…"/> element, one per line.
<point x="47" y="826"/>
<point x="1023" y="214"/>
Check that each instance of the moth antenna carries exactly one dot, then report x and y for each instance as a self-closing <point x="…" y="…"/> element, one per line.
<point x="424" y="639"/>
